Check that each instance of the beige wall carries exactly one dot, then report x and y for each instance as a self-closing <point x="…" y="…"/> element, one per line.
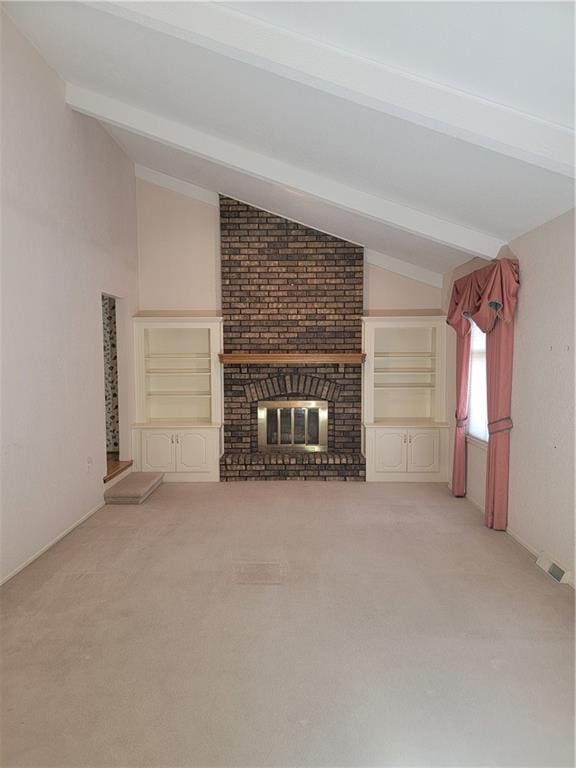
<point x="179" y="250"/>
<point x="68" y="234"/>
<point x="541" y="511"/>
<point x="541" y="503"/>
<point x="179" y="259"/>
<point x="387" y="290"/>
<point x="476" y="455"/>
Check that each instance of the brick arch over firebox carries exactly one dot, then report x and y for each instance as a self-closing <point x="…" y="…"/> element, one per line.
<point x="292" y="384"/>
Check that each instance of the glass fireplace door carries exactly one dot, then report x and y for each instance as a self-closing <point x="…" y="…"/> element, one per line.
<point x="297" y="425"/>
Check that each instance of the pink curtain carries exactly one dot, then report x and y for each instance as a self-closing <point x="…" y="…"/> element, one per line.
<point x="488" y="296"/>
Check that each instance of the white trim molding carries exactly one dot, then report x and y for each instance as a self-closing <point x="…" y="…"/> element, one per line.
<point x="477" y="443"/>
<point x="256" y="165"/>
<point x="176" y="185"/>
<point x="293" y="56"/>
<point x="51" y="543"/>
<point x="404" y="268"/>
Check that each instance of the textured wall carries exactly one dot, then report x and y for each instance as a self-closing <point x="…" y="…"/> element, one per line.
<point x="178" y="250"/>
<point x="541" y="508"/>
<point x="541" y="495"/>
<point x="68" y="236"/>
<point x="387" y="290"/>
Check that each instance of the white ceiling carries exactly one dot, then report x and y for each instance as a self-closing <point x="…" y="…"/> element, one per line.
<point x="515" y="53"/>
<point x="192" y="91"/>
<point x="295" y="206"/>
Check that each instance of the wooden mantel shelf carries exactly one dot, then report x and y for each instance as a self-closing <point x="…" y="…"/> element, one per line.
<point x="292" y="358"/>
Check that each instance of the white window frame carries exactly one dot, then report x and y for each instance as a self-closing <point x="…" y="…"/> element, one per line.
<point x="477" y="426"/>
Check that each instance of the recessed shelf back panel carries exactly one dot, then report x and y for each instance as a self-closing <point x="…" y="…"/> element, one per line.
<point x="157" y="363"/>
<point x="405" y="340"/>
<point x="158" y="382"/>
<point x="403" y="377"/>
<point x="178" y="407"/>
<point x="178" y="341"/>
<point x="402" y="362"/>
<point x="403" y="403"/>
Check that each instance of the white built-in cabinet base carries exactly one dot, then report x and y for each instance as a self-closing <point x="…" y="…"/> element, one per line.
<point x="184" y="454"/>
<point x="406" y="454"/>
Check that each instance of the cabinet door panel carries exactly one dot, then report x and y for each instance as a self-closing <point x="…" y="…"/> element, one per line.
<point x="390" y="453"/>
<point x="424" y="451"/>
<point x="192" y="452"/>
<point x="157" y="451"/>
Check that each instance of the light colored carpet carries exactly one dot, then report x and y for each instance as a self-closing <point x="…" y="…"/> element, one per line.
<point x="287" y="624"/>
<point x="134" y="488"/>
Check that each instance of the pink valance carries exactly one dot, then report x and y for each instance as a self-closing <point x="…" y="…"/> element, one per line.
<point x="485" y="295"/>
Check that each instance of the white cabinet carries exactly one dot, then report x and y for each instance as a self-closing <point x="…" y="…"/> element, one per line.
<point x="193" y="451"/>
<point x="423" y="451"/>
<point x="390" y="450"/>
<point x="183" y="455"/>
<point x="157" y="451"/>
<point x="178" y="396"/>
<point x="404" y="454"/>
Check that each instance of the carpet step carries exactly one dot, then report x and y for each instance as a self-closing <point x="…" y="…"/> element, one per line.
<point x="133" y="489"/>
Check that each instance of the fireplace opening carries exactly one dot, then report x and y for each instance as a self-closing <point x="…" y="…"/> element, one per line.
<point x="294" y="425"/>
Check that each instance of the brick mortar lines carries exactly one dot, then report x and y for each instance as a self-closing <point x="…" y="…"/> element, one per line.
<point x="344" y="414"/>
<point x="288" y="288"/>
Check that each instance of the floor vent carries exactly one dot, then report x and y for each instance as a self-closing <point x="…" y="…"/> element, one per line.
<point x="553" y="569"/>
<point x="556" y="572"/>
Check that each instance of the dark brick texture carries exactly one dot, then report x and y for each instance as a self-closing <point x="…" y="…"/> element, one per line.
<point x="288" y="288"/>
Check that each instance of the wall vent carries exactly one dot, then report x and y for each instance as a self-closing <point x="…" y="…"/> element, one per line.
<point x="553" y="569"/>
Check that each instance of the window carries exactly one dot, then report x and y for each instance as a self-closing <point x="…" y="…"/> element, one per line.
<point x="477" y="399"/>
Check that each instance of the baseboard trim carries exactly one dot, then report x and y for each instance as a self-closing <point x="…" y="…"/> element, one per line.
<point x="476" y="503"/>
<point x="51" y="543"/>
<point x="569" y="576"/>
<point x="521" y="541"/>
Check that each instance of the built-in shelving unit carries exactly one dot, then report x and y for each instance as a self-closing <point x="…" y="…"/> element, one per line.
<point x="404" y="397"/>
<point x="179" y="395"/>
<point x="404" y="369"/>
<point x="177" y="372"/>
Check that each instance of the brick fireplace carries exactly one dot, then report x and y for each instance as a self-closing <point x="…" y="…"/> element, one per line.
<point x="289" y="291"/>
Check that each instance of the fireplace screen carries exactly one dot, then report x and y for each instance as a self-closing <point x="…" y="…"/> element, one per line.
<point x="296" y="425"/>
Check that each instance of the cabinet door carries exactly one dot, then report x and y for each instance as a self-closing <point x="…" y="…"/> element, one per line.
<point x="157" y="451"/>
<point x="424" y="450"/>
<point x="193" y="450"/>
<point x="390" y="450"/>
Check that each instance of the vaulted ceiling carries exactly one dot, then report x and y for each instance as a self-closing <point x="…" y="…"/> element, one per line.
<point x="429" y="132"/>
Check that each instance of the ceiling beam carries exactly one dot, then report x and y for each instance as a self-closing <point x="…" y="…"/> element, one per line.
<point x="439" y="107"/>
<point x="297" y="179"/>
